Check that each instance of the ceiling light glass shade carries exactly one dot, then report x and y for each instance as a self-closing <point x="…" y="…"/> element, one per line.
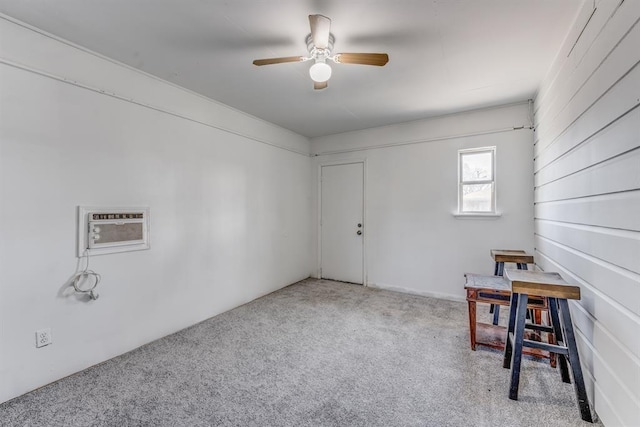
<point x="320" y="72"/>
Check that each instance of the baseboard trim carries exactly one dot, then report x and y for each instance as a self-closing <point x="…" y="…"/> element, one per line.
<point x="438" y="295"/>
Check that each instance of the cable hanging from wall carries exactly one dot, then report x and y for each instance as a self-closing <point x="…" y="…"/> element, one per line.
<point x="86" y="281"/>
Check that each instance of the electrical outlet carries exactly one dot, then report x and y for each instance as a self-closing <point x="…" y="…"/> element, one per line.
<point x="43" y="337"/>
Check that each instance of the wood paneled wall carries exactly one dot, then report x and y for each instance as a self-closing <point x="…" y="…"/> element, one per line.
<point x="587" y="196"/>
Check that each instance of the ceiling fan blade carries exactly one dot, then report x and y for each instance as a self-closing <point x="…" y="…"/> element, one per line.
<point x="270" y="61"/>
<point x="320" y="29"/>
<point x="379" y="59"/>
<point x="322" y="85"/>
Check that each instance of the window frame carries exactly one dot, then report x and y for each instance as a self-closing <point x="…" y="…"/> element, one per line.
<point x="462" y="182"/>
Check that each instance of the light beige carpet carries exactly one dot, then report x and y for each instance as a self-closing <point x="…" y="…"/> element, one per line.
<point x="316" y="353"/>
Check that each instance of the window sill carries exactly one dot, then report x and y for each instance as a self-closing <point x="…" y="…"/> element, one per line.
<point x="492" y="215"/>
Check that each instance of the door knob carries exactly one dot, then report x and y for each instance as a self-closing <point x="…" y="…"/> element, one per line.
<point x="359" y="232"/>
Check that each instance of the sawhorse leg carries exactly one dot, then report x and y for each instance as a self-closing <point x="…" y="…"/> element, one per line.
<point x="574" y="361"/>
<point x="495" y="308"/>
<point x="508" y="347"/>
<point x="517" y="345"/>
<point x="559" y="338"/>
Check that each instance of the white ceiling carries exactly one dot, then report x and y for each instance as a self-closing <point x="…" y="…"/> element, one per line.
<point x="444" y="55"/>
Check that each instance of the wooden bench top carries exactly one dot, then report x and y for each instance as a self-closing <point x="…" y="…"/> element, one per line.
<point x="541" y="283"/>
<point x="511" y="255"/>
<point x="479" y="281"/>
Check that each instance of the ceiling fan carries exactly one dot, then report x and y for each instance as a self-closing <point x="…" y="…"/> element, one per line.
<point x="320" y="46"/>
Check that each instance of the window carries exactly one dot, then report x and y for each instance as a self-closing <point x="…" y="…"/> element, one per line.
<point x="476" y="180"/>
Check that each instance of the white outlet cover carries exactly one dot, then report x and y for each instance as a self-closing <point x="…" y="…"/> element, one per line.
<point x="43" y="337"/>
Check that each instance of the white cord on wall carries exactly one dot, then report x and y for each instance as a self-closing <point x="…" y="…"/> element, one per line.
<point x="88" y="274"/>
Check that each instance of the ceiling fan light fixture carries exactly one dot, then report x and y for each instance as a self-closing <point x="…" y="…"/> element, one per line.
<point x="320" y="46"/>
<point x="320" y="72"/>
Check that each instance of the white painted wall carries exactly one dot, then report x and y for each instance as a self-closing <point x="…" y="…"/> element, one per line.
<point x="229" y="199"/>
<point x="587" y="194"/>
<point x="412" y="240"/>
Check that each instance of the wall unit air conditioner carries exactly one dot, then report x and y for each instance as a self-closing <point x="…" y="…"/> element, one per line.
<point x="110" y="230"/>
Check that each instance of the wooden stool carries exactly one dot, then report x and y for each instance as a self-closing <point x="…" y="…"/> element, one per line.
<point x="496" y="290"/>
<point x="500" y="256"/>
<point x="557" y="292"/>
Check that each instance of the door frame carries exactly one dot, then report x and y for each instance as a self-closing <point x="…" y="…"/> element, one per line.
<point x="362" y="161"/>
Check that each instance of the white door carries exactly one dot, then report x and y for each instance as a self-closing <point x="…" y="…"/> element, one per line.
<point x="341" y="222"/>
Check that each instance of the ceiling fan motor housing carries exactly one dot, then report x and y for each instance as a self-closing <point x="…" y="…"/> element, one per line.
<point x="316" y="53"/>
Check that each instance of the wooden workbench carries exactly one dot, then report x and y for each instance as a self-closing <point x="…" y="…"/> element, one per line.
<point x="495" y="290"/>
